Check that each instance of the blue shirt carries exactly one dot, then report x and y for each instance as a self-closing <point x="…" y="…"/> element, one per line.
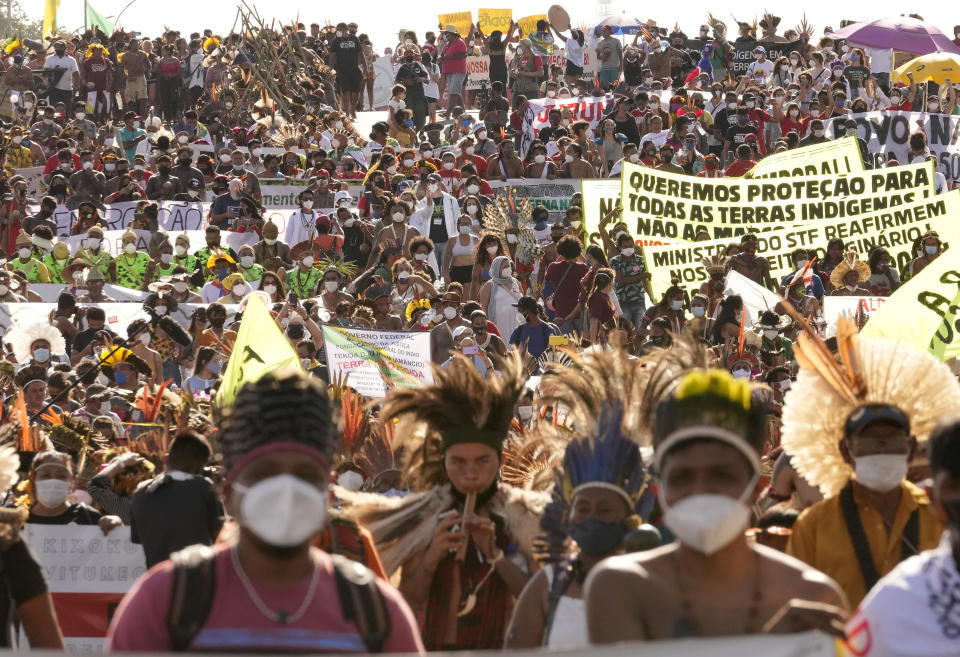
<point x="130" y="135"/>
<point x="533" y="339"/>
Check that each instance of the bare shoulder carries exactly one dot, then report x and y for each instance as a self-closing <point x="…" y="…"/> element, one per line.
<point x="800" y="579"/>
<point x="637" y="568"/>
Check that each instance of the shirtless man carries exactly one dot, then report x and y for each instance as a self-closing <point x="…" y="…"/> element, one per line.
<point x="712" y="581"/>
<point x="748" y="263"/>
<point x="505" y="164"/>
<point x="385" y="319"/>
<point x="787" y="484"/>
<point x="441" y="335"/>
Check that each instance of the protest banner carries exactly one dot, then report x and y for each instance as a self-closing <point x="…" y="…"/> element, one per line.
<point x="583" y="109"/>
<point x="87" y="574"/>
<point x="462" y="20"/>
<point x="669" y="205"/>
<point x="478" y="73"/>
<point x="173" y="216"/>
<point x="371" y="362"/>
<point x="756" y="298"/>
<point x="112" y="240"/>
<point x="50" y="292"/>
<point x="555" y="195"/>
<point x="925" y="311"/>
<point x="528" y="24"/>
<point x="836" y="307"/>
<point x="741" y="55"/>
<point x="829" y="158"/>
<point x="34" y="178"/>
<point x="888" y="133"/>
<point x="281" y="193"/>
<point x="599" y="197"/>
<point x="896" y="230"/>
<point x="489" y="20"/>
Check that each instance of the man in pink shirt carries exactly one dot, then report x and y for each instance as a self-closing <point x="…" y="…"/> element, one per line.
<point x="267" y="589"/>
<point x="453" y="65"/>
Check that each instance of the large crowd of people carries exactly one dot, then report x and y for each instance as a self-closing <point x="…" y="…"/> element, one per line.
<point x="594" y="461"/>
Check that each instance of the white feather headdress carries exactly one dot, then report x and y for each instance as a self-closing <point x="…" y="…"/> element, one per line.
<point x="872" y="371"/>
<point x="21" y="336"/>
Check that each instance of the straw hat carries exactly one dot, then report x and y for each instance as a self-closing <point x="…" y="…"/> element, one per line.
<point x="850" y="261"/>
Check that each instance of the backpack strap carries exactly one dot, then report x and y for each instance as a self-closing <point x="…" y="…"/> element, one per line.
<point x="562" y="573"/>
<point x="194" y="582"/>
<point x="362" y="602"/>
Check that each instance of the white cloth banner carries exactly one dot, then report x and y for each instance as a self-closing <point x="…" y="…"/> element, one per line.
<point x="173" y="216"/>
<point x="756" y="298"/>
<point x="583" y="109"/>
<point x="835" y="307"/>
<point x="888" y="133"/>
<point x="34" y="178"/>
<point x="373" y="361"/>
<point x="87" y="574"/>
<point x="113" y="239"/>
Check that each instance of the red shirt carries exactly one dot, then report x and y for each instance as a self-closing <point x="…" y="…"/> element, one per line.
<point x="455" y="47"/>
<point x="760" y="117"/>
<point x="53" y="163"/>
<point x="479" y="163"/>
<point x="485" y="190"/>
<point x="786" y="125"/>
<point x="738" y="168"/>
<point x="98" y="72"/>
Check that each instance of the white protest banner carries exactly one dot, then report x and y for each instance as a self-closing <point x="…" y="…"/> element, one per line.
<point x="755" y="297"/>
<point x="555" y="195"/>
<point x="87" y="574"/>
<point x="373" y="361"/>
<point x="478" y="73"/>
<point x="49" y="292"/>
<point x="112" y="240"/>
<point x="831" y="157"/>
<point x="888" y="133"/>
<point x="835" y="307"/>
<point x="281" y="193"/>
<point x="34" y="178"/>
<point x="174" y="216"/>
<point x="118" y="315"/>
<point x="896" y="230"/>
<point x="664" y="204"/>
<point x="584" y="109"/>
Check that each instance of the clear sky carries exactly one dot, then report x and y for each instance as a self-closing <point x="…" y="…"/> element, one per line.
<point x="381" y="19"/>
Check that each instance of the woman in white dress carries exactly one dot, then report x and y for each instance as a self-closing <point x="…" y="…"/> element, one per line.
<point x="499" y="296"/>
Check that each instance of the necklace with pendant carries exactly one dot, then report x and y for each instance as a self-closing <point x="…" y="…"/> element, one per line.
<point x="281" y="617"/>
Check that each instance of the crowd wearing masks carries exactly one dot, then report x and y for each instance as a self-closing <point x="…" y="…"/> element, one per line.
<point x="593" y="461"/>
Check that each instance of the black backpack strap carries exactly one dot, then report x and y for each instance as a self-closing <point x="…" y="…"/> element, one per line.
<point x="194" y="582"/>
<point x="861" y="546"/>
<point x="361" y="602"/>
<point x="562" y="574"/>
<point x="910" y="540"/>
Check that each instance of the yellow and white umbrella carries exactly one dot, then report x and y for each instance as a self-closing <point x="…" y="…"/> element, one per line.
<point x="936" y="67"/>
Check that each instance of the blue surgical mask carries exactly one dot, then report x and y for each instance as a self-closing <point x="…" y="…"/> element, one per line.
<point x="215" y="367"/>
<point x="222" y="272"/>
<point x="119" y="377"/>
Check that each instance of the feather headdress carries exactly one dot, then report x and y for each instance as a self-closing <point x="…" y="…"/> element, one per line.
<point x="22" y="336"/>
<point x="870" y="371"/>
<point x="509" y="216"/>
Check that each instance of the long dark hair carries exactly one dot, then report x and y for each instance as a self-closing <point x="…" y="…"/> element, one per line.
<point x="727" y="315"/>
<point x="496" y="40"/>
<point x="603" y="278"/>
<point x="578" y="36"/>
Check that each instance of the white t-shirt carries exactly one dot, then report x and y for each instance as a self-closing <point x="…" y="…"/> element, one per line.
<point x="765" y="67"/>
<point x="430" y="89"/>
<point x="912" y="610"/>
<point x="68" y="64"/>
<point x="574" y="52"/>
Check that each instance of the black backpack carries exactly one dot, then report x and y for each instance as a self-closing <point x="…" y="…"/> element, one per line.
<point x="194" y="583"/>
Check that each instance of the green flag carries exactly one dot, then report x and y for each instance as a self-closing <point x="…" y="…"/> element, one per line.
<point x="260" y="348"/>
<point x="93" y="19"/>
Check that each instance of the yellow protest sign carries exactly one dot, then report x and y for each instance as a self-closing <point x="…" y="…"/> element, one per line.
<point x="462" y="20"/>
<point x="896" y="230"/>
<point x="260" y="348"/>
<point x="599" y="197"/>
<point x="676" y="206"/>
<point x="924" y="311"/>
<point x="489" y="20"/>
<point x="832" y="157"/>
<point x="529" y="23"/>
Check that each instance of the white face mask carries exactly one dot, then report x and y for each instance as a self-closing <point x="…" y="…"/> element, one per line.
<point x="492" y="250"/>
<point x="160" y="310"/>
<point x="448" y="166"/>
<point x="407" y="163"/>
<point x="818" y="133"/>
<point x="403" y="276"/>
<point x="427" y="154"/>
<point x="751" y="104"/>
<point x="24" y="253"/>
<point x="144" y="339"/>
<point x="551" y="93"/>
<point x="568" y="158"/>
<point x="246" y="261"/>
<point x="930" y="250"/>
<point x="740" y="374"/>
<point x="880" y="472"/>
<point x="481" y="134"/>
<point x="256" y="152"/>
<point x="676" y="304"/>
<point x="698" y="311"/>
<point x="473" y="189"/>
<point x="627" y="251"/>
<point x="182" y="139"/>
<point x="225" y="158"/>
<point x="307" y="204"/>
<point x="270" y="241"/>
<point x="130" y="248"/>
<point x="180" y="287"/>
<point x="469" y="150"/>
<point x="511" y="238"/>
<point x="433" y="187"/>
<point x="349" y="222"/>
<point x="525" y="412"/>
<point x="166" y="258"/>
<point x="284" y="511"/>
<point x="51" y="493"/>
<point x="420" y="256"/>
<point x="136" y="125"/>
<point x="770" y="334"/>
<point x="633" y="157"/>
<point x="17" y="140"/>
<point x="539" y="159"/>
<point x="472" y="210"/>
<point x="465" y="230"/>
<point x="270" y="289"/>
<point x="708" y="522"/>
<point x="87" y="165"/>
<point x="3" y="290"/>
<point x="106" y="407"/>
<point x="41" y="355"/>
<point x="239" y="289"/>
<point x="425" y="320"/>
<point x="330" y="286"/>
<point x="399" y="217"/>
<point x="351" y="480"/>
<point x="449" y="312"/>
<point x="180" y="249"/>
<point x="308" y="261"/>
<point x="392" y="169"/>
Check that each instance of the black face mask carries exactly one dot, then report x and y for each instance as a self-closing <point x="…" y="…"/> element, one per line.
<point x="717" y="275"/>
<point x="597" y="538"/>
<point x="408" y="59"/>
<point x="295" y="331"/>
<point x="217" y="321"/>
<point x="184" y="161"/>
<point x="163" y="171"/>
